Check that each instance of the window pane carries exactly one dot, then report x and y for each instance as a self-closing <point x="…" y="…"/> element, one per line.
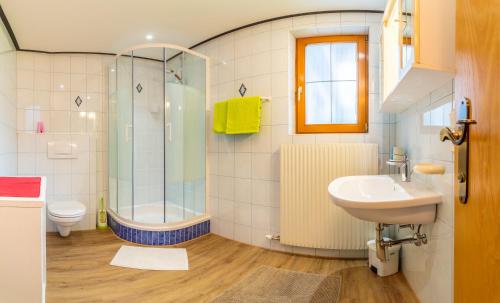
<point x="344" y="63"/>
<point x="319" y="103"/>
<point x="344" y="102"/>
<point x="317" y="62"/>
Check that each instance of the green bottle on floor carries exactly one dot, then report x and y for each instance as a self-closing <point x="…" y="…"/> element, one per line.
<point x="102" y="218"/>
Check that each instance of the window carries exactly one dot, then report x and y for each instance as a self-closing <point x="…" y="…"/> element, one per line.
<point x="331" y="84"/>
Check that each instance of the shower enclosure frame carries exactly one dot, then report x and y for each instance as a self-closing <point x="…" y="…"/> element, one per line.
<point x="160" y="233"/>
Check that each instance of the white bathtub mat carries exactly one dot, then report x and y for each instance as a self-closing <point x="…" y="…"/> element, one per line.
<point x="151" y="258"/>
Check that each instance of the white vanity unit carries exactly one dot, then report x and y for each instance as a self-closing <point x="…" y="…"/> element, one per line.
<point x="22" y="234"/>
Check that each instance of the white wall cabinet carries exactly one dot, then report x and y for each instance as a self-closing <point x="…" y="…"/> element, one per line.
<point x="418" y="50"/>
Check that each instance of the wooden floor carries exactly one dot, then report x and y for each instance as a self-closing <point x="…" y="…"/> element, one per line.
<point x="79" y="271"/>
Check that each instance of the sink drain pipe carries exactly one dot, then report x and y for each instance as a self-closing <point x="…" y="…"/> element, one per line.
<point x="381" y="244"/>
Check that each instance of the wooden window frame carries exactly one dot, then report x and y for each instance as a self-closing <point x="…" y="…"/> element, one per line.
<point x="300" y="105"/>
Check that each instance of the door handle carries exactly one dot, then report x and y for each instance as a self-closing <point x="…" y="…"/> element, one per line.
<point x="299" y="93"/>
<point x="459" y="136"/>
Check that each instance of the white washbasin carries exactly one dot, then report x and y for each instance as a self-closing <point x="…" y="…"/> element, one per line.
<point x="385" y="199"/>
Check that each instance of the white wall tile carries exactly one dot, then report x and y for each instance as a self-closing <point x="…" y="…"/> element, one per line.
<point x="262" y="142"/>
<point x="261" y="166"/>
<point x="226" y="71"/>
<point x="78" y="83"/>
<point x="261" y="63"/>
<point x="25" y="98"/>
<point x="61" y="64"/>
<point x="61" y="82"/>
<point x="279" y="111"/>
<point x="261" y="217"/>
<point x="279" y="39"/>
<point x="42" y="63"/>
<point x="279" y="136"/>
<point x="261" y="192"/>
<point x="226" y="164"/>
<point x="62" y="183"/>
<point x="226" y="210"/>
<point x="79" y="184"/>
<point x="243" y="233"/>
<point x="25" y="143"/>
<point x="42" y="81"/>
<point x="226" y="188"/>
<point x="261" y="42"/>
<point x="243" y="143"/>
<point x="41" y="99"/>
<point x="25" y="60"/>
<point x="243" y="67"/>
<point x="279" y="60"/>
<point x="226" y="144"/>
<point x="25" y="79"/>
<point x="25" y="120"/>
<point x="26" y="164"/>
<point x="243" y="213"/>
<point x="94" y="65"/>
<point x="279" y="83"/>
<point x="226" y="228"/>
<point x="243" y="47"/>
<point x="94" y="83"/>
<point x="242" y="190"/>
<point x="60" y="121"/>
<point x="242" y="165"/>
<point x="77" y="65"/>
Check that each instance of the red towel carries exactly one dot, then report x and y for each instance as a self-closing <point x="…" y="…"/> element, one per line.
<point x="26" y="187"/>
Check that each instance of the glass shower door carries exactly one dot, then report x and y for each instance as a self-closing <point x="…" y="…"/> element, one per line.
<point x="112" y="138"/>
<point x="184" y="137"/>
<point x="194" y="90"/>
<point x="148" y="94"/>
<point x="124" y="136"/>
<point x="174" y="132"/>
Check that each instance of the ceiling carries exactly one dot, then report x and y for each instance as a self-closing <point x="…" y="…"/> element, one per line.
<point x="112" y="25"/>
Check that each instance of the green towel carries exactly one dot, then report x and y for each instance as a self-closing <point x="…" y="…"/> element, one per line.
<point x="220" y="117"/>
<point x="243" y="115"/>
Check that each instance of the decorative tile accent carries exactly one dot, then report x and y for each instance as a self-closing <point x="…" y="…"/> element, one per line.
<point x="78" y="101"/>
<point x="243" y="89"/>
<point x="168" y="237"/>
<point x="139" y="88"/>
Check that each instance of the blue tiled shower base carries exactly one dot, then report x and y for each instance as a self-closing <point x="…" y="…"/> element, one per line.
<point x="168" y="237"/>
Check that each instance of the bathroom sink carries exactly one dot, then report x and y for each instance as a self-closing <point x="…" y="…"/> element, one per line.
<point x="385" y="199"/>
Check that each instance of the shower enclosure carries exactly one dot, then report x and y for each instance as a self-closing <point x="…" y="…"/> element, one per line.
<point x="156" y="135"/>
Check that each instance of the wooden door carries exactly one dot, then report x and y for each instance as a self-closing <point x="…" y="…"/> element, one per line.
<point x="477" y="223"/>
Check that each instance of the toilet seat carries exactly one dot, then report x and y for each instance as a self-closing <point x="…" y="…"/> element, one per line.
<point x="66" y="209"/>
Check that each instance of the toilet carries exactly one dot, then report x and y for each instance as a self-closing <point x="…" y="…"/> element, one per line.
<point x="65" y="214"/>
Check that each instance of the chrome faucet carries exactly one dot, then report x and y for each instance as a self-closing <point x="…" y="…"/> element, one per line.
<point x="404" y="167"/>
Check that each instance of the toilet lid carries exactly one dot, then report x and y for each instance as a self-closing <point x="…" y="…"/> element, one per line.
<point x="67" y="209"/>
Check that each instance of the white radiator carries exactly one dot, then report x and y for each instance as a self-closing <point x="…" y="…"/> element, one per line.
<point x="308" y="216"/>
